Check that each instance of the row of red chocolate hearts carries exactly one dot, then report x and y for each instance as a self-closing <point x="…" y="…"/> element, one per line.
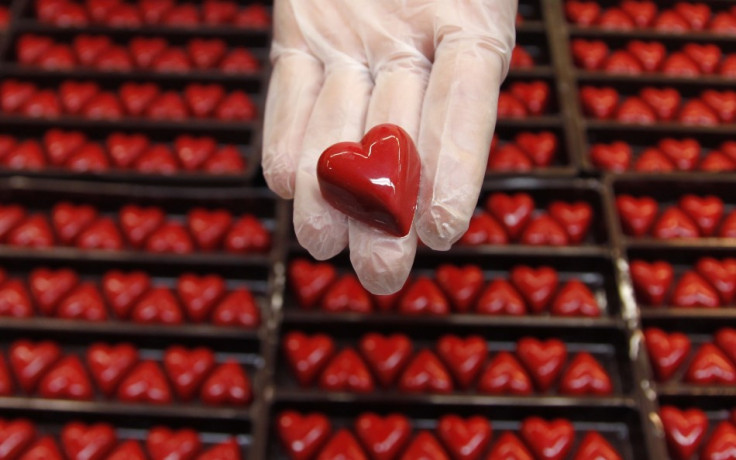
<point x="523" y="99"/>
<point x="660" y="104"/>
<point x="685" y="431"/>
<point x="692" y="217"/>
<point x="713" y="363"/>
<point x="639" y="57"/>
<point x="154" y="53"/>
<point x="118" y="373"/>
<point x="711" y="284"/>
<point x="461" y="363"/>
<point x="521" y="59"/>
<point x="131" y="296"/>
<point x="139" y="228"/>
<point x="71" y="150"/>
<point x="527" y="151"/>
<point x="669" y="155"/>
<point x="462" y="289"/>
<point x="20" y="439"/>
<point x="119" y="13"/>
<point x="137" y="100"/>
<point x="307" y="436"/>
<point x="511" y="218"/>
<point x="640" y="14"/>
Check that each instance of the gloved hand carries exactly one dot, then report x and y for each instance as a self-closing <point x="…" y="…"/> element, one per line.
<point x="340" y="67"/>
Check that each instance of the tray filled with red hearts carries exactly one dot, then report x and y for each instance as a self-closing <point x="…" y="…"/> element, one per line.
<point x="461" y="288"/>
<point x="398" y="431"/>
<point x="34" y="434"/>
<point x="666" y="213"/>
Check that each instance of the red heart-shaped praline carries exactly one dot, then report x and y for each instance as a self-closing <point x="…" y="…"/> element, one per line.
<point x="15" y="302"/>
<point x="548" y="440"/>
<point x="383" y="437"/>
<point x="484" y="229"/>
<point x="187" y="369"/>
<point x="237" y="309"/>
<point x="575" y="299"/>
<point x="574" y="217"/>
<point x="504" y="375"/>
<point x="721" y="444"/>
<point x="684" y="430"/>
<point x="463" y="356"/>
<point x="595" y="447"/>
<point x="83" y="302"/>
<point x="589" y="54"/>
<point x="386" y="355"/>
<point x="342" y="446"/>
<point x="30" y="361"/>
<point x="461" y="284"/>
<point x="146" y="383"/>
<point x="375" y="181"/>
<point x="307" y="355"/>
<point x="157" y="306"/>
<point x="537" y="286"/>
<point x="89" y="442"/>
<point x="109" y="364"/>
<point x="122" y="290"/>
<point x="423" y="297"/>
<point x="228" y="450"/>
<point x="303" y="435"/>
<point x="199" y="294"/>
<point x="667" y="352"/>
<point x="228" y="384"/>
<point x="649" y="54"/>
<point x="585" y="376"/>
<point x="67" y="379"/>
<point x="425" y="374"/>
<point x="347" y="295"/>
<point x="509" y="447"/>
<point x="466" y="439"/>
<point x="425" y="447"/>
<point x="15" y="437"/>
<point x="48" y="287"/>
<point x="543" y="360"/>
<point x="43" y="449"/>
<point x="165" y="444"/>
<point x="710" y="366"/>
<point x="513" y="211"/>
<point x="501" y="298"/>
<point x="347" y="372"/>
<point x="129" y="450"/>
<point x="651" y="281"/>
<point x="693" y="291"/>
<point x="309" y="281"/>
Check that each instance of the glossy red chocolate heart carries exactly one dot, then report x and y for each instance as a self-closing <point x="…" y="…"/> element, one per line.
<point x="303" y="435"/>
<point x="102" y="234"/>
<point x="509" y="447"/>
<point x="423" y="297"/>
<point x="696" y="14"/>
<point x="247" y="235"/>
<point x="600" y="103"/>
<point x="125" y="149"/>
<point x="652" y="281"/>
<point x="623" y="62"/>
<point x="615" y="19"/>
<point x="137" y="97"/>
<point x="199" y="294"/>
<point x="33" y="232"/>
<point x="193" y="152"/>
<point x="43" y="449"/>
<point x="534" y="94"/>
<point x="575" y="299"/>
<point x="425" y="374"/>
<point x="637" y="214"/>
<point x="501" y="298"/>
<point x="205" y="54"/>
<point x="90" y="158"/>
<point x="697" y="112"/>
<point x="425" y="447"/>
<point x="463" y="356"/>
<point x="504" y="375"/>
<point x="461" y="284"/>
<point x="122" y="290"/>
<point x="227" y="385"/>
<point x="15" y="437"/>
<point x="91" y="442"/>
<point x="581" y="12"/>
<point x="634" y="110"/>
<point x="642" y="12"/>
<point x="665" y="102"/>
<point x="14" y="94"/>
<point x="309" y="281"/>
<point x="692" y="291"/>
<point x="237" y="309"/>
<point x="342" y="445"/>
<point x="484" y="229"/>
<point x="672" y="22"/>
<point x="675" y="223"/>
<point x="722" y="102"/>
<point x="465" y="439"/>
<point x="651" y="55"/>
<point x="229" y="450"/>
<point x="707" y="56"/>
<point x="349" y="174"/>
<point x="157" y="306"/>
<point x="347" y="372"/>
<point x="726" y="339"/>
<point x="187" y="369"/>
<point x="513" y="211"/>
<point x="239" y="60"/>
<point x="169" y="105"/>
<point x="667" y="352"/>
<point x="66" y="379"/>
<point x="109" y="364"/>
<point x="685" y="153"/>
<point x="49" y="287"/>
<point x="203" y="99"/>
<point x="129" y="450"/>
<point x="705" y="211"/>
<point x="508" y="158"/>
<point x="383" y="437"/>
<point x="10" y="217"/>
<point x="60" y="145"/>
<point x="215" y="12"/>
<point x="105" y="105"/>
<point x="614" y="157"/>
<point x="138" y="223"/>
<point x="723" y="22"/>
<point x="710" y="366"/>
<point x="721" y="444"/>
<point x="543" y="230"/>
<point x="679" y="64"/>
<point x="716" y="161"/>
<point x="347" y="295"/>
<point x="510" y="107"/>
<point x="165" y="444"/>
<point x="30" y="47"/>
<point x="84" y="302"/>
<point x="684" y="430"/>
<point x="30" y="361"/>
<point x="146" y="383"/>
<point x="595" y="447"/>
<point x="15" y="302"/>
<point x="90" y="47"/>
<point x="575" y="217"/>
<point x="537" y="286"/>
<point x="541" y="147"/>
<point x="170" y="237"/>
<point x="543" y="360"/>
<point x="548" y="440"/>
<point x="386" y="355"/>
<point x="307" y="356"/>
<point x="172" y="60"/>
<point x="585" y="376"/>
<point x="589" y="54"/>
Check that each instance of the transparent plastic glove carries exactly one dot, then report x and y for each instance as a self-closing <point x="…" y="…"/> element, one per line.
<point x="433" y="67"/>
